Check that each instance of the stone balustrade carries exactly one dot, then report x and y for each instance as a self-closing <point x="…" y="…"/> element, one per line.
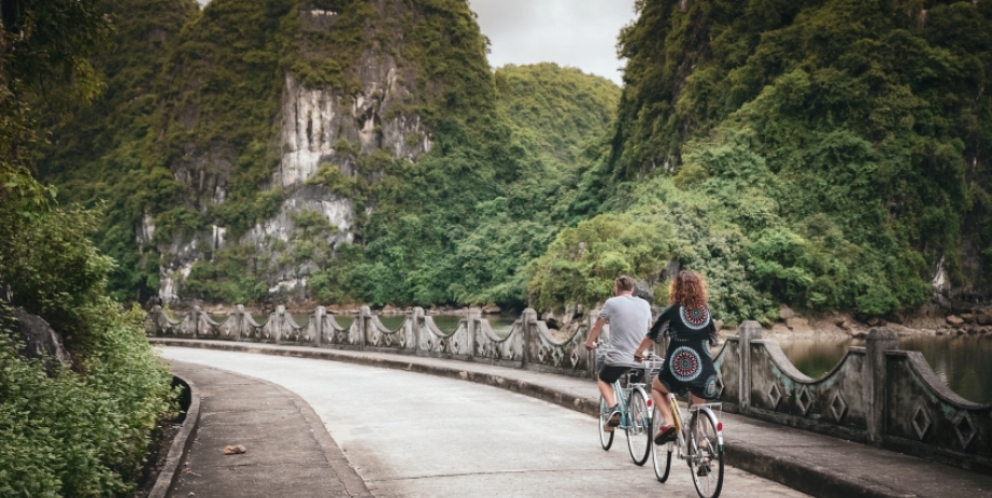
<point x="528" y="344"/>
<point x="876" y="394"/>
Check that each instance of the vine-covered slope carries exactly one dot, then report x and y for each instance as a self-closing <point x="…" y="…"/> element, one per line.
<point x="359" y="147"/>
<point x="835" y="151"/>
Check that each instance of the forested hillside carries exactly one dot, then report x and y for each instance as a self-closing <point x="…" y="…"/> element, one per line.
<point x="80" y="388"/>
<point x="189" y="150"/>
<point x="827" y="154"/>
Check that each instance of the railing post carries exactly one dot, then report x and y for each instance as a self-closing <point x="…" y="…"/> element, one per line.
<point x="318" y="323"/>
<point x="418" y="320"/>
<point x="528" y="321"/>
<point x="155" y="316"/>
<point x="879" y="341"/>
<point x="474" y="315"/>
<point x="749" y="331"/>
<point x="196" y="322"/>
<point x="591" y="320"/>
<point x="239" y="313"/>
<point x="364" y="315"/>
<point x="281" y="323"/>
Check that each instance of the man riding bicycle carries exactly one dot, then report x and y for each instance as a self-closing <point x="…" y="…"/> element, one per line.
<point x="629" y="317"/>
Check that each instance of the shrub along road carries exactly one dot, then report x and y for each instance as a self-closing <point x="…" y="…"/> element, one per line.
<point x="408" y="434"/>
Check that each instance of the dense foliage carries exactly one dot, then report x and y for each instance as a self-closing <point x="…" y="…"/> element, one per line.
<point x="83" y="431"/>
<point x="844" y="143"/>
<point x="829" y="154"/>
<point x="462" y="224"/>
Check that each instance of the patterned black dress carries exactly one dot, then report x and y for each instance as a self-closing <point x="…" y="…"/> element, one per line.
<point x="688" y="362"/>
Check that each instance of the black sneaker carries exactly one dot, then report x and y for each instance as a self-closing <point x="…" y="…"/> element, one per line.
<point x="704" y="469"/>
<point x="613" y="419"/>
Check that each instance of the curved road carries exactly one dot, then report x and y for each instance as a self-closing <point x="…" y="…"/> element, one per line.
<point x="410" y="434"/>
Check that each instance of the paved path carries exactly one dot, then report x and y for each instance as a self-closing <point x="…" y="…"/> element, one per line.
<point x="290" y="454"/>
<point x="409" y="434"/>
<point x="813" y="463"/>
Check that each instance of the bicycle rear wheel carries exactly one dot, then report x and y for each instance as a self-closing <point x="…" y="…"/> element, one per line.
<point x="661" y="455"/>
<point x="638" y="427"/>
<point x="605" y="437"/>
<point x="705" y="454"/>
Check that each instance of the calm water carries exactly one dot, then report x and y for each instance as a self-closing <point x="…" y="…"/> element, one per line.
<point x="448" y="323"/>
<point x="963" y="363"/>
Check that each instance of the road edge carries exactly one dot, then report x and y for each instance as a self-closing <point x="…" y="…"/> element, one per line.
<point x="814" y="481"/>
<point x="180" y="444"/>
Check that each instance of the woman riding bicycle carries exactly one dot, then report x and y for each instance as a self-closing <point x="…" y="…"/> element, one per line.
<point x="688" y="364"/>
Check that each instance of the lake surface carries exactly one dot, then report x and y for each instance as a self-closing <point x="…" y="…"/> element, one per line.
<point x="501" y="324"/>
<point x="963" y="363"/>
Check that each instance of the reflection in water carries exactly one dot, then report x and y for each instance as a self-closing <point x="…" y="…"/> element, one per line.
<point x="815" y="357"/>
<point x="344" y="321"/>
<point x="963" y="363"/>
<point x="392" y="322"/>
<point x="501" y="324"/>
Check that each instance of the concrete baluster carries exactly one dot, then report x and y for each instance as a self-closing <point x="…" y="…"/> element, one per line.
<point x="196" y="322"/>
<point x="418" y="323"/>
<point x="474" y="315"/>
<point x="239" y="317"/>
<point x="318" y="324"/>
<point x="528" y="325"/>
<point x="364" y="317"/>
<point x="591" y="318"/>
<point x="749" y="331"/>
<point x="280" y="322"/>
<point x="156" y="316"/>
<point x="879" y="341"/>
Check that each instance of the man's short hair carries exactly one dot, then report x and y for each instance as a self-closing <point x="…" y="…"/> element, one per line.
<point x="624" y="283"/>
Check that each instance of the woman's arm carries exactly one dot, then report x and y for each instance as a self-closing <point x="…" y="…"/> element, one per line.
<point x="645" y="344"/>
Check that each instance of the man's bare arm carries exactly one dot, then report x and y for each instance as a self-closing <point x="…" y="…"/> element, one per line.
<point x="597" y="328"/>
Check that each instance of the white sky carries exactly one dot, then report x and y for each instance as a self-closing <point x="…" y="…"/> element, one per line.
<point x="573" y="33"/>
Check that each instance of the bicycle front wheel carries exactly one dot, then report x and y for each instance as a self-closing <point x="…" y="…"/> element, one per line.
<point x="705" y="454"/>
<point x="638" y="427"/>
<point x="605" y="437"/>
<point x="661" y="455"/>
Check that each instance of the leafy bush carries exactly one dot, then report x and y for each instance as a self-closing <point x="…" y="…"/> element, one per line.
<point x="81" y="434"/>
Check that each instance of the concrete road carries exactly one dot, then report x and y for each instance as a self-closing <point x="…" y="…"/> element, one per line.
<point x="410" y="434"/>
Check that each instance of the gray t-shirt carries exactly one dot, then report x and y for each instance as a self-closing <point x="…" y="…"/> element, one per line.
<point x="629" y="318"/>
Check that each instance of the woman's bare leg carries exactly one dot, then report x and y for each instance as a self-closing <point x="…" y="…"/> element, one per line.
<point x="660" y="395"/>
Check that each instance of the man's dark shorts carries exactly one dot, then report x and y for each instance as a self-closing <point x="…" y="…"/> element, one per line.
<point x="610" y="374"/>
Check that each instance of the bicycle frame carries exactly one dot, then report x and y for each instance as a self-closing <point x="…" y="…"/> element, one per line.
<point x="681" y="435"/>
<point x="623" y="394"/>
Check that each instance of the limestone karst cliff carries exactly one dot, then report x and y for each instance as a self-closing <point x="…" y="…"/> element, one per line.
<point x="271" y="141"/>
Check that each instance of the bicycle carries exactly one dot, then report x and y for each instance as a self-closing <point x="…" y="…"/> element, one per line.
<point x="700" y="444"/>
<point x="636" y="412"/>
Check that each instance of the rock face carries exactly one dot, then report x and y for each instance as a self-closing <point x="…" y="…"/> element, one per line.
<point x="313" y="125"/>
<point x="40" y="340"/>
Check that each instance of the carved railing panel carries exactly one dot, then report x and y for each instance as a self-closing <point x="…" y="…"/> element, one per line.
<point x="728" y="364"/>
<point x="293" y="333"/>
<point x="252" y="331"/>
<point x="207" y="328"/>
<point x="790" y="397"/>
<point x="546" y="353"/>
<point x="878" y="393"/>
<point x="922" y="413"/>
<point x="378" y="335"/>
<point x="433" y="341"/>
<point x="337" y="335"/>
<point x="161" y="324"/>
<point x="490" y="346"/>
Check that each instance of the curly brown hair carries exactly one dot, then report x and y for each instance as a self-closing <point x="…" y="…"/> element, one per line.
<point x="688" y="290"/>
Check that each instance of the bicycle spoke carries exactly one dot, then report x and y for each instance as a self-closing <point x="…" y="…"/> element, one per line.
<point x="706" y="457"/>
